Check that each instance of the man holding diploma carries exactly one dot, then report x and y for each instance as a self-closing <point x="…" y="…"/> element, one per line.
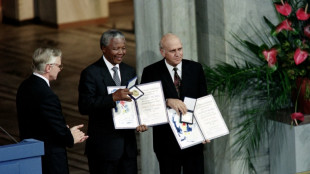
<point x="179" y="78"/>
<point x="109" y="151"/>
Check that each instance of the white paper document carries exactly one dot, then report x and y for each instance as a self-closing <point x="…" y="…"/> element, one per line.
<point x="190" y="105"/>
<point x="125" y="113"/>
<point x="209" y="118"/>
<point x="208" y="123"/>
<point x="149" y="109"/>
<point x="186" y="134"/>
<point x="152" y="105"/>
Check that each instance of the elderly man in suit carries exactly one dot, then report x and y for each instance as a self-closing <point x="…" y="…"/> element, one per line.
<point x="179" y="78"/>
<point x="40" y="115"/>
<point x="108" y="150"/>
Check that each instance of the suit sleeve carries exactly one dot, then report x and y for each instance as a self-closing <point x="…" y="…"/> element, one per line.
<point x="146" y="76"/>
<point x="90" y="100"/>
<point x="52" y="112"/>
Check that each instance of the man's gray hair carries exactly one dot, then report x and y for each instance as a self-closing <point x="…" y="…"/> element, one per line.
<point x="44" y="56"/>
<point x="108" y="35"/>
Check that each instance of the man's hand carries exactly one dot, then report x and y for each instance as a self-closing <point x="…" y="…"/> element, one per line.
<point x="121" y="94"/>
<point x="206" y="141"/>
<point x="78" y="135"/>
<point x="141" y="128"/>
<point x="177" y="105"/>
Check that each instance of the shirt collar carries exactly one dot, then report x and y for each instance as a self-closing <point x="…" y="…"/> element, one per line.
<point x="170" y="68"/>
<point x="42" y="77"/>
<point x="109" y="65"/>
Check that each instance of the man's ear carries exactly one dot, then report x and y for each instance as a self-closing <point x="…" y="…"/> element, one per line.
<point x="103" y="48"/>
<point x="47" y="68"/>
<point x="162" y="52"/>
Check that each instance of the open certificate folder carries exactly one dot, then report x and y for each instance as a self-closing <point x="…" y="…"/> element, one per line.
<point x="149" y="109"/>
<point x="208" y="123"/>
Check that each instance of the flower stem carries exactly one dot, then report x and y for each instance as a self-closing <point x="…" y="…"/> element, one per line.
<point x="297" y="98"/>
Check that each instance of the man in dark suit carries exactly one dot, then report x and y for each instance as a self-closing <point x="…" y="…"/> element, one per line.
<point x="108" y="150"/>
<point x="180" y="78"/>
<point x="40" y="114"/>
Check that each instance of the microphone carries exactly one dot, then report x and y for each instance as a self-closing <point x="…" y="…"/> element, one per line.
<point x="8" y="135"/>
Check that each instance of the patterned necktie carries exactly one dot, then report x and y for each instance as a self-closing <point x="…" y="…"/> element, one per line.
<point x="177" y="81"/>
<point x="116" y="77"/>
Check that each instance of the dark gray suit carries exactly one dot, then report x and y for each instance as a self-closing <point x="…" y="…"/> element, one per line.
<point x="104" y="140"/>
<point x="40" y="117"/>
<point x="193" y="84"/>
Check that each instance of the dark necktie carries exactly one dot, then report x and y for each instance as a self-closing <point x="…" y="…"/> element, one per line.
<point x="177" y="81"/>
<point x="116" y="77"/>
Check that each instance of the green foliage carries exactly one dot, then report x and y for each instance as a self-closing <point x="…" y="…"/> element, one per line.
<point x="261" y="88"/>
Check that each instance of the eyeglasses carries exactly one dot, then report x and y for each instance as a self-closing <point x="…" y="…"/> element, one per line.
<point x="60" y="66"/>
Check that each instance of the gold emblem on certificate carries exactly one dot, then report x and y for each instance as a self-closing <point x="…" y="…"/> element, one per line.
<point x="135" y="93"/>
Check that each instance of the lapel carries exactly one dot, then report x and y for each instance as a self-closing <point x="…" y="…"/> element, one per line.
<point x="167" y="81"/>
<point x="125" y="77"/>
<point x="186" y="78"/>
<point x="107" y="79"/>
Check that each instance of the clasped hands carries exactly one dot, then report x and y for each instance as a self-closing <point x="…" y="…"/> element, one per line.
<point x="122" y="94"/>
<point x="180" y="107"/>
<point x="78" y="135"/>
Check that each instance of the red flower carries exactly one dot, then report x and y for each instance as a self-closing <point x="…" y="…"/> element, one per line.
<point x="284" y="8"/>
<point x="284" y="25"/>
<point x="271" y="56"/>
<point x="298" y="116"/>
<point x="300" y="56"/>
<point x="307" y="30"/>
<point x="302" y="14"/>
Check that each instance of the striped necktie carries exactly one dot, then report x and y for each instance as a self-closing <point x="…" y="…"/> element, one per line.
<point x="177" y="80"/>
<point x="116" y="77"/>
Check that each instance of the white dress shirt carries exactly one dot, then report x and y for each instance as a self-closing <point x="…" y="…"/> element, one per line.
<point x="110" y="66"/>
<point x="171" y="71"/>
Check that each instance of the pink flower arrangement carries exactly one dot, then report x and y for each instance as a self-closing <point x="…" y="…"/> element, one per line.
<point x="291" y="51"/>
<point x="290" y="28"/>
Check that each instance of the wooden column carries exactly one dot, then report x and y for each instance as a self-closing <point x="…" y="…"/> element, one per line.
<point x="18" y="10"/>
<point x="70" y="13"/>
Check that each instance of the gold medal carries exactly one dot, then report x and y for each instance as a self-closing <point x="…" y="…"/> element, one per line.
<point x="135" y="93"/>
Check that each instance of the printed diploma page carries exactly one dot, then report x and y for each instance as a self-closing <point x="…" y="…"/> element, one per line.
<point x="149" y="109"/>
<point x="209" y="118"/>
<point x="207" y="123"/>
<point x="152" y="105"/>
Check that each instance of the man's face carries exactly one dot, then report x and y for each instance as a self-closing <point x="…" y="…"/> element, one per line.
<point x="172" y="50"/>
<point x="55" y="68"/>
<point x="115" y="51"/>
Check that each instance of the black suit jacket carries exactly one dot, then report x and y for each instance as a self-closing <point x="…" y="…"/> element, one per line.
<point x="40" y="117"/>
<point x="193" y="85"/>
<point x="95" y="102"/>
